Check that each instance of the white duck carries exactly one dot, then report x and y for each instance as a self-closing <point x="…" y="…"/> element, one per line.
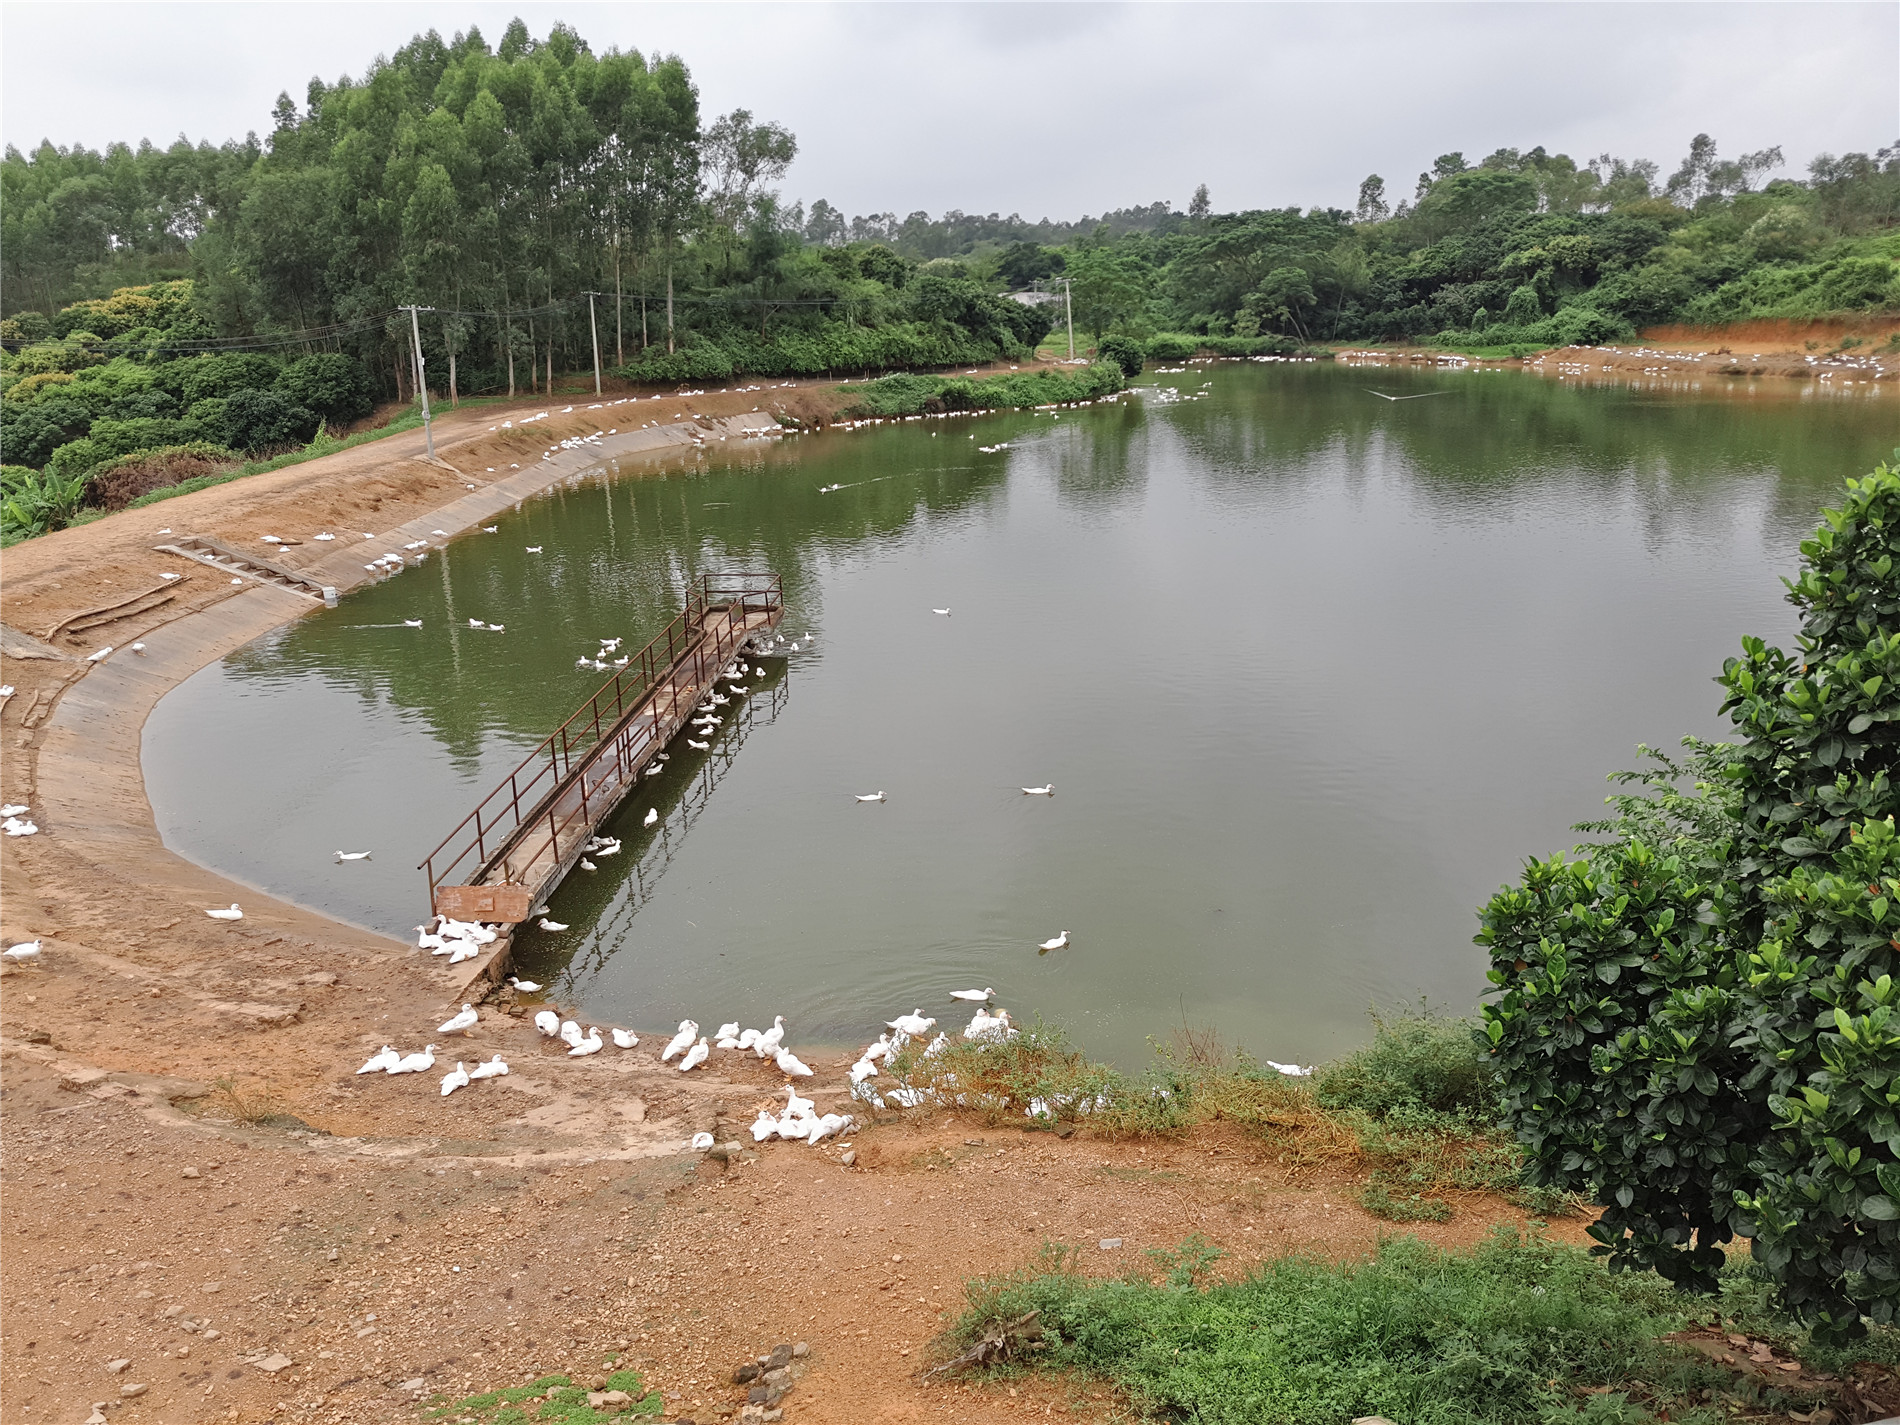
<point x="414" y="1063"/>
<point x="768" y="1043"/>
<point x="728" y="1031"/>
<point x="764" y="1126"/>
<point x="456" y="1079"/>
<point x="695" y="1056"/>
<point x="459" y="1023"/>
<point x="748" y="1038"/>
<point x="882" y="1048"/>
<point x="548" y="1022"/>
<point x="570" y="1032"/>
<point x="551" y="925"/>
<point x="913" y="1025"/>
<point x="232" y="914"/>
<point x="590" y="1045"/>
<point x="342" y="856"/>
<point x="876" y="796"/>
<point x="652" y="817"/>
<point x="524" y="987"/>
<point x="380" y="1061"/>
<point x="491" y="1069"/>
<point x="1046" y="791"/>
<point x="625" y="1038"/>
<point x="974" y="996"/>
<point x="988" y="1026"/>
<point x="862" y="1070"/>
<point x="824" y="1127"/>
<point x="789" y="1063"/>
<point x="587" y="865"/>
<point x="681" y="1042"/>
<point x="1061" y="942"/>
<point x="796" y="1107"/>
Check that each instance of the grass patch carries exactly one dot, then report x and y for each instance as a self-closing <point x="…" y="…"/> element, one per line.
<point x="1413" y="1106"/>
<point x="551" y="1400"/>
<point x="1376" y="1197"/>
<point x="911" y="395"/>
<point x="1518" y="1330"/>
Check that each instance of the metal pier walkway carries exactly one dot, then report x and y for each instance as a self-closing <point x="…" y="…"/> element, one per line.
<point x="528" y="833"/>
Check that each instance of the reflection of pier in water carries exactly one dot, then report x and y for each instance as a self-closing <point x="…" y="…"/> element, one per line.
<point x="651" y="859"/>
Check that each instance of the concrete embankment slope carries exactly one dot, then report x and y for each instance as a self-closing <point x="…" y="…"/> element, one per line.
<point x="89" y="790"/>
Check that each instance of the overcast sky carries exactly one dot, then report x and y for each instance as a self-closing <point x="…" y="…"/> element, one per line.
<point x="1054" y="109"/>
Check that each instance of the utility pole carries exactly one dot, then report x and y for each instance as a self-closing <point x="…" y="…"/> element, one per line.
<point x="422" y="385"/>
<point x="594" y="331"/>
<point x="1068" y="308"/>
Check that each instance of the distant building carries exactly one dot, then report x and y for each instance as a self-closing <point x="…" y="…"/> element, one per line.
<point x="1034" y="299"/>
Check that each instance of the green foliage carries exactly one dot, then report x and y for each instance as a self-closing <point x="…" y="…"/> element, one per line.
<point x="1819" y="1012"/>
<point x="915" y="395"/>
<point x="1125" y="352"/>
<point x="1511" y="1332"/>
<point x="205" y="376"/>
<point x="1610" y="1039"/>
<point x="75" y="459"/>
<point x="1856" y="277"/>
<point x="1821" y="728"/>
<point x="1693" y="1021"/>
<point x="266" y="420"/>
<point x="329" y="384"/>
<point x="1416" y="1062"/>
<point x="34" y="502"/>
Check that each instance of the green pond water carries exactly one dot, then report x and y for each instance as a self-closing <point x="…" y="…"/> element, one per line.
<point x="1312" y="672"/>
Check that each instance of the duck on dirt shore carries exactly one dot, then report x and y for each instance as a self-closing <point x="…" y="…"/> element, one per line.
<point x="415" y="1063"/>
<point x="682" y="1041"/>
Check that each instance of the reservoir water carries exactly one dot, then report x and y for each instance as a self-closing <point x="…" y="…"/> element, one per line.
<point x="1311" y="670"/>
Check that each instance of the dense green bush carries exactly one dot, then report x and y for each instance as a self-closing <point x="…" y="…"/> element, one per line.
<point x="266" y="420"/>
<point x="333" y="386"/>
<point x="223" y="375"/>
<point x="75" y="459"/>
<point x="909" y="395"/>
<point x="1694" y="1021"/>
<point x="1172" y="346"/>
<point x="122" y="437"/>
<point x="1124" y="351"/>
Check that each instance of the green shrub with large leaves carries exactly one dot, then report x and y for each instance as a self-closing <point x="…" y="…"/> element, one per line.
<point x="1694" y="1021"/>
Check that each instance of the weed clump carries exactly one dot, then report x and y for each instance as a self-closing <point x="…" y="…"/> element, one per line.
<point x="552" y="1400"/>
<point x="1518" y="1330"/>
<point x="1417" y="1063"/>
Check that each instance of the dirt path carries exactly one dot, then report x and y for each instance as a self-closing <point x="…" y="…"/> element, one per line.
<point x="1829" y="355"/>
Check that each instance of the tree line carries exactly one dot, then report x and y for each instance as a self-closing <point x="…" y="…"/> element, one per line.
<point x="1526" y="248"/>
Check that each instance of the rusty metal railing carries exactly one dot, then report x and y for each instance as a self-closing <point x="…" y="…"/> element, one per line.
<point x="598" y="752"/>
